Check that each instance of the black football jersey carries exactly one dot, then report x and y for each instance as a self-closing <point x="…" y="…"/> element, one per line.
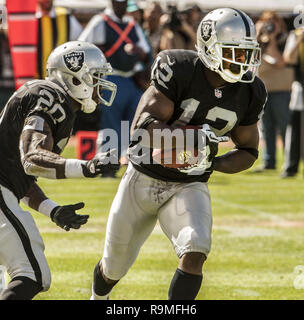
<point x="180" y="75"/>
<point x="46" y="100"/>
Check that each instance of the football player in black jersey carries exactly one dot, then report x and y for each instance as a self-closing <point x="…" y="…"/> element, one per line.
<point x="35" y="126"/>
<point x="214" y="89"/>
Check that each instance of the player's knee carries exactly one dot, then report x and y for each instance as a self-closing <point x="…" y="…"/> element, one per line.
<point x="192" y="262"/>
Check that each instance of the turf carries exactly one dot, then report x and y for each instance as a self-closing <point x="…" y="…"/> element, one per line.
<point x="258" y="222"/>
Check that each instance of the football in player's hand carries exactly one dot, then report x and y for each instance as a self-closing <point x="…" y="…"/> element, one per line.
<point x="180" y="157"/>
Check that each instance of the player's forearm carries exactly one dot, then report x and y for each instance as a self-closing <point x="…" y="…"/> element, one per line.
<point x="49" y="165"/>
<point x="34" y="197"/>
<point x="38" y="160"/>
<point x="44" y="163"/>
<point x="36" y="154"/>
<point x="37" y="200"/>
<point x="234" y="161"/>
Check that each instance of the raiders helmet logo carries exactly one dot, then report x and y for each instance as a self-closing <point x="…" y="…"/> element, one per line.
<point x="206" y="29"/>
<point x="74" y="60"/>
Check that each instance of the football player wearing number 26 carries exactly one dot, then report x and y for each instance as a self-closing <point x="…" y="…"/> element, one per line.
<point x="35" y="126"/>
<point x="215" y="93"/>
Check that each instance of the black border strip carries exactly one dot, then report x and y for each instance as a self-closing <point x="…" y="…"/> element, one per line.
<point x="26" y="242"/>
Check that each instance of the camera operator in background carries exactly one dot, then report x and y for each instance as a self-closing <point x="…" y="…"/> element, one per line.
<point x="277" y="77"/>
<point x="177" y="33"/>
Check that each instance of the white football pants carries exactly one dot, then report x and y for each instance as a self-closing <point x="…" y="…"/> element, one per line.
<point x="182" y="209"/>
<point x="21" y="245"/>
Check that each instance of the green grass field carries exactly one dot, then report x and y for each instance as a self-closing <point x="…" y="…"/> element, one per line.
<point x="258" y="222"/>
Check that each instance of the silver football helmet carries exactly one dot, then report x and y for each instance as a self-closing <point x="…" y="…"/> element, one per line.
<point x="229" y="30"/>
<point x="79" y="67"/>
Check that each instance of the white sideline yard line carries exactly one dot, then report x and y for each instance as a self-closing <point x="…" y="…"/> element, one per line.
<point x="263" y="214"/>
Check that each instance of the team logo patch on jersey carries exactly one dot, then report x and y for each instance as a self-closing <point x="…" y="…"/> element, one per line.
<point x="74" y="60"/>
<point x="206" y="29"/>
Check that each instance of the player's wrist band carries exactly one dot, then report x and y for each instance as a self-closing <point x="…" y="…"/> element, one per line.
<point x="47" y="206"/>
<point x="73" y="168"/>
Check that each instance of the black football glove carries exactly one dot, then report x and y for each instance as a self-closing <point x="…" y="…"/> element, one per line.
<point x="66" y="216"/>
<point x="103" y="161"/>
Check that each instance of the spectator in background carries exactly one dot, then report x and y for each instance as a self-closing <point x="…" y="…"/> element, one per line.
<point x="55" y="26"/>
<point x="124" y="44"/>
<point x="294" y="55"/>
<point x="177" y="33"/>
<point x="277" y="77"/>
<point x="152" y="26"/>
<point x="142" y="77"/>
<point x="7" y="83"/>
<point x="135" y="11"/>
<point x="193" y="16"/>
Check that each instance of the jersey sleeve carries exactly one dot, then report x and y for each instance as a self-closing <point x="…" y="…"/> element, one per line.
<point x="256" y="106"/>
<point x="166" y="75"/>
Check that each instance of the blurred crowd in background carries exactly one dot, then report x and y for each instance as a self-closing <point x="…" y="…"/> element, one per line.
<point x="131" y="46"/>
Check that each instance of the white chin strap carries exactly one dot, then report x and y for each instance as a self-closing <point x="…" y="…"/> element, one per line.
<point x="226" y="77"/>
<point x="88" y="105"/>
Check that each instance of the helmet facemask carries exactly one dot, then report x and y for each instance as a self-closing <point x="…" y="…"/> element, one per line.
<point x="82" y="89"/>
<point x="214" y="58"/>
<point x="233" y="69"/>
<point x="94" y="79"/>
